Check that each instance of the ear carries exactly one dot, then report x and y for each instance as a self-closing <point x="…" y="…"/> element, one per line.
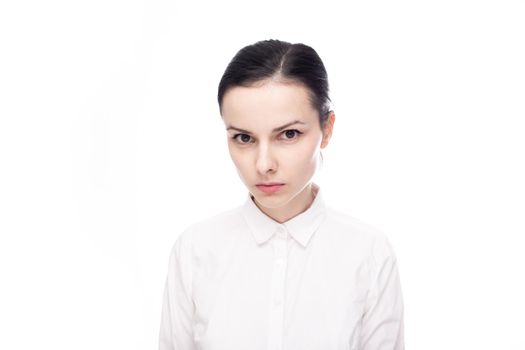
<point x="328" y="128"/>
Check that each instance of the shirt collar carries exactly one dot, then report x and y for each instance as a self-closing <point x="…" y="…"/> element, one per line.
<point x="301" y="227"/>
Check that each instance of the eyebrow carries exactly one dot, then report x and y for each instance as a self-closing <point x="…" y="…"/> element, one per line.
<point x="274" y="130"/>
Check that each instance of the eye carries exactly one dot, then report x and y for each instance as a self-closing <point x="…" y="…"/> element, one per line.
<point x="243" y="139"/>
<point x="291" y="133"/>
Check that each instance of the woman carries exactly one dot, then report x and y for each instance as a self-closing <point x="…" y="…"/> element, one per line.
<point x="282" y="270"/>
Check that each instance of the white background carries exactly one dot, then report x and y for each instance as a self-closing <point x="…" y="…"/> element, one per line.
<point x="111" y="143"/>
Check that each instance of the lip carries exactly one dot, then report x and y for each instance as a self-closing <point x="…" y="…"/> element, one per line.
<point x="270" y="187"/>
<point x="269" y="183"/>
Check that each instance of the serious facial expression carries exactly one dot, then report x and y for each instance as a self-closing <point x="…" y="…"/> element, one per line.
<point x="274" y="136"/>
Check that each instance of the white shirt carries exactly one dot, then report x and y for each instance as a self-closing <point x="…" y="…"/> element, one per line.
<point x="320" y="281"/>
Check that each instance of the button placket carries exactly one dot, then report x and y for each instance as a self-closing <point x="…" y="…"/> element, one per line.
<point x="278" y="290"/>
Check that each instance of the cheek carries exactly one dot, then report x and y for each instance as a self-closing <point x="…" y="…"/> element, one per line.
<point x="239" y="158"/>
<point x="303" y="156"/>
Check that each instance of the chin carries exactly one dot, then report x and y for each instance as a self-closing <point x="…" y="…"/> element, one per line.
<point x="272" y="201"/>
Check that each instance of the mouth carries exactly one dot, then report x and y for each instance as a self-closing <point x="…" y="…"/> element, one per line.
<point x="271" y="187"/>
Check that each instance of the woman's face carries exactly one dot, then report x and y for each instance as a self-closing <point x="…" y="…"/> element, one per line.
<point x="274" y="136"/>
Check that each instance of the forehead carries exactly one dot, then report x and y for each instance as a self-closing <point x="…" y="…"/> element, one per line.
<point x="266" y="106"/>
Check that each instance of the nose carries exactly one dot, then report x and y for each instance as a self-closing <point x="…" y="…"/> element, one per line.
<point x="265" y="161"/>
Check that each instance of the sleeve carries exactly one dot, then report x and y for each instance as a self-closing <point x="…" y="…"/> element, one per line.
<point x="382" y="325"/>
<point x="176" y="329"/>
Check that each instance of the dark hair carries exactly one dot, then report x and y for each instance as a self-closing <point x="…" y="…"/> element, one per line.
<point x="281" y="60"/>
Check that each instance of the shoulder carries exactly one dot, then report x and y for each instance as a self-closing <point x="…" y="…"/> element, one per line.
<point x="359" y="235"/>
<point x="212" y="228"/>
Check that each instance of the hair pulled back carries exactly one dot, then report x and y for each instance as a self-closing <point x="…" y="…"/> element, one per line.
<point x="281" y="61"/>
